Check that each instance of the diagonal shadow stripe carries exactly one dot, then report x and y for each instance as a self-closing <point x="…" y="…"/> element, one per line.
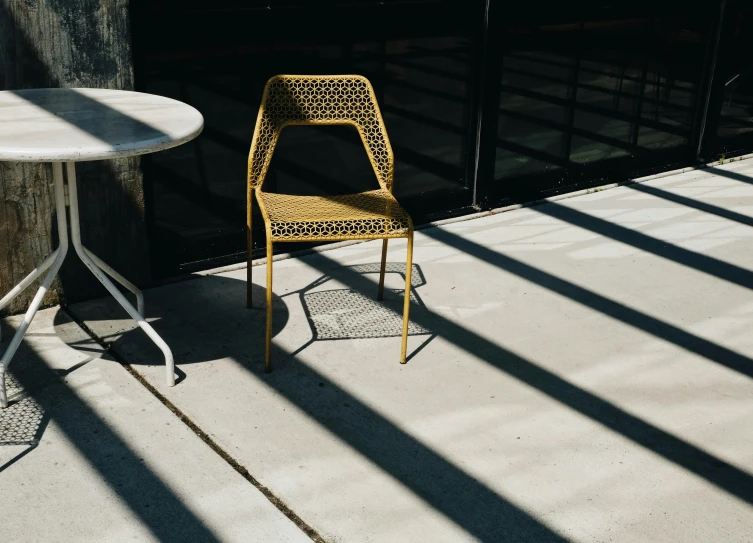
<point x="440" y="484"/>
<point x="98" y="124"/>
<point x="700" y="262"/>
<point x="463" y="499"/>
<point x="167" y="517"/>
<point x="692" y="203"/>
<point x="729" y="174"/>
<point x="641" y="321"/>
<point x="722" y="474"/>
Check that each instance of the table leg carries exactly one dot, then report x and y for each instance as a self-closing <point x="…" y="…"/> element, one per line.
<point x="54" y="261"/>
<point x="99" y="269"/>
<point x="26" y="281"/>
<point x="95" y="265"/>
<point x="119" y="278"/>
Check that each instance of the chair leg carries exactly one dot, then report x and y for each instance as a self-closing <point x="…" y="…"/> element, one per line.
<point x="380" y="296"/>
<point x="268" y="358"/>
<point x="249" y="245"/>
<point x="406" y="303"/>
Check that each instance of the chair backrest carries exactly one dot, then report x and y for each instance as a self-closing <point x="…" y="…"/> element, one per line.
<point x="312" y="99"/>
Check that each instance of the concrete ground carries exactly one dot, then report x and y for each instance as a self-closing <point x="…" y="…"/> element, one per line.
<point x="88" y="454"/>
<point x="581" y="371"/>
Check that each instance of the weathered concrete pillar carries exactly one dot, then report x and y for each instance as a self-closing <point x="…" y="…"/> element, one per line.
<point x="69" y="43"/>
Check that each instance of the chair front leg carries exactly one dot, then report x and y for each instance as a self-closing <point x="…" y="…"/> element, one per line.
<point x="406" y="303"/>
<point x="249" y="245"/>
<point x="268" y="356"/>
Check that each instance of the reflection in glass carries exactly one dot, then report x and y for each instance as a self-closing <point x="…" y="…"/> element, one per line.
<point x="735" y="71"/>
<point x="595" y="96"/>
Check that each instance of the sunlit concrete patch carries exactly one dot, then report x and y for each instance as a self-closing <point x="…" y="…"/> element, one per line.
<point x="564" y="235"/>
<point x="605" y="250"/>
<point x="745" y="211"/>
<point x="691" y="229"/>
<point x="639" y="217"/>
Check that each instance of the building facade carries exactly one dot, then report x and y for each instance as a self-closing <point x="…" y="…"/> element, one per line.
<point x="486" y="102"/>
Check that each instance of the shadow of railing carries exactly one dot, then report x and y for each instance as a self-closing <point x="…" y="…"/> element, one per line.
<point x="692" y="203"/>
<point x="703" y="263"/>
<point x="716" y="471"/>
<point x="445" y="487"/>
<point x="618" y="311"/>
<point x="461" y="498"/>
<point x="423" y="471"/>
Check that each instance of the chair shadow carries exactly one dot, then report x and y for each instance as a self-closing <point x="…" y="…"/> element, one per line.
<point x="336" y="314"/>
<point x="347" y="314"/>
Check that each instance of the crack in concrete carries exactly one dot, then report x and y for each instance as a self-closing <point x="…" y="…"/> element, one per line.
<point x="232" y="462"/>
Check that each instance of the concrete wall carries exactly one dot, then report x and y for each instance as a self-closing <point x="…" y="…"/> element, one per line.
<point x="69" y="43"/>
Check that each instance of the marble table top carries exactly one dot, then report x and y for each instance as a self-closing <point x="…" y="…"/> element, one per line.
<point x="47" y="125"/>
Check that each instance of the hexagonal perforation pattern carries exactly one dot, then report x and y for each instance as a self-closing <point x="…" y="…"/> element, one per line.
<point x="306" y="100"/>
<point x="348" y="314"/>
<point x="20" y="421"/>
<point x="373" y="214"/>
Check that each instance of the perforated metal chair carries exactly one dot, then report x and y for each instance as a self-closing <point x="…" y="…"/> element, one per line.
<point x="376" y="214"/>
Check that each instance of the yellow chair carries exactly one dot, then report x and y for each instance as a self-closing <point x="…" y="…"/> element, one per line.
<point x="376" y="214"/>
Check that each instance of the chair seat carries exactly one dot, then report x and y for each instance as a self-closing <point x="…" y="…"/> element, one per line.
<point x="375" y="214"/>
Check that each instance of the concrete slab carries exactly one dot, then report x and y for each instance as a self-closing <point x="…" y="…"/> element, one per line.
<point x="586" y="374"/>
<point x="88" y="454"/>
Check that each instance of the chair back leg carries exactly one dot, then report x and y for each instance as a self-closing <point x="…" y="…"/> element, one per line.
<point x="380" y="295"/>
<point x="406" y="303"/>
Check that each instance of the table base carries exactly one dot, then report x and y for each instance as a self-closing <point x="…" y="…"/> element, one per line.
<point x="68" y="200"/>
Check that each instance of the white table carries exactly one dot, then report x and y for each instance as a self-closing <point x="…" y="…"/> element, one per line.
<point x="65" y="126"/>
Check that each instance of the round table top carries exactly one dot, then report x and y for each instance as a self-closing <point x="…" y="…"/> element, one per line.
<point x="48" y="125"/>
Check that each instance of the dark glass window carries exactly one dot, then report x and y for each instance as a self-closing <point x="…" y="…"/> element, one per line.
<point x="482" y="107"/>
<point x="584" y="96"/>
<point x="418" y="55"/>
<point x="733" y="133"/>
